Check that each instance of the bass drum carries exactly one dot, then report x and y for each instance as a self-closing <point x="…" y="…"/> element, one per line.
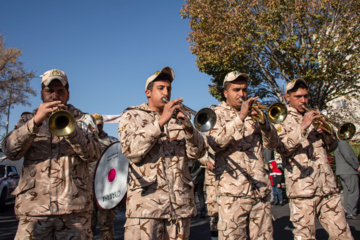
<point x="110" y="180"/>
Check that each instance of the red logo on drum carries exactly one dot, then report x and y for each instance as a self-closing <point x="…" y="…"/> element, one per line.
<point x="111" y="175"/>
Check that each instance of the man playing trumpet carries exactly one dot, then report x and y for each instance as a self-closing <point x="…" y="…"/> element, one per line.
<point x="310" y="182"/>
<point x="53" y="198"/>
<point x="243" y="185"/>
<point x="160" y="195"/>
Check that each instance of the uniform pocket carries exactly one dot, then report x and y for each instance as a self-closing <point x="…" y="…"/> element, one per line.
<point x="132" y="222"/>
<point x="23" y="187"/>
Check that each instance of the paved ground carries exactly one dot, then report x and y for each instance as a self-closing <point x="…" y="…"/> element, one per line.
<point x="199" y="226"/>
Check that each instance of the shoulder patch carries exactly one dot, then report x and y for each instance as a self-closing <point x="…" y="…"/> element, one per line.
<point x="123" y="127"/>
<point x="279" y="128"/>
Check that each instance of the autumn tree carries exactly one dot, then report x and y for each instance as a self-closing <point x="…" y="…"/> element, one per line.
<point x="14" y="82"/>
<point x="277" y="41"/>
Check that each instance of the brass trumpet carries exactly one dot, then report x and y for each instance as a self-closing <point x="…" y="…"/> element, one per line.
<point x="276" y="113"/>
<point x="345" y="131"/>
<point x="61" y="123"/>
<point x="204" y="120"/>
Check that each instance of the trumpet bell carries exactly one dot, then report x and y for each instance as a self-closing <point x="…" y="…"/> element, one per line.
<point x="61" y="123"/>
<point x="277" y="113"/>
<point x="346" y="131"/>
<point x="205" y="119"/>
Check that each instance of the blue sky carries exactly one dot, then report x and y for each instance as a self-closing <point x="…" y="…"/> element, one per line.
<point x="107" y="48"/>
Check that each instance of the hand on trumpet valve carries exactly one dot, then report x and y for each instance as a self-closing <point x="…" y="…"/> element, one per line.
<point x="309" y="117"/>
<point x="247" y="107"/>
<point x="45" y="109"/>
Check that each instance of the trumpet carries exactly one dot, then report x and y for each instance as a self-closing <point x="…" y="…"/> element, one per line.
<point x="204" y="120"/>
<point x="276" y="113"/>
<point x="345" y="131"/>
<point x="61" y="123"/>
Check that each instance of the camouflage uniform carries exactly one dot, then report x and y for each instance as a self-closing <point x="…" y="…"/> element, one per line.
<point x="310" y="182"/>
<point x="243" y="185"/>
<point x="211" y="198"/>
<point x="105" y="217"/>
<point x="55" y="184"/>
<point x="160" y="192"/>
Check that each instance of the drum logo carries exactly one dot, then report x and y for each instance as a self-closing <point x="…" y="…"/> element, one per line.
<point x="111" y="196"/>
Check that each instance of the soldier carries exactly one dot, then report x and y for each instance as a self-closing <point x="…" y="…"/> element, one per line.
<point x="160" y="197"/>
<point x="53" y="198"/>
<point x="210" y="187"/>
<point x="310" y="182"/>
<point x="243" y="185"/>
<point x="105" y="217"/>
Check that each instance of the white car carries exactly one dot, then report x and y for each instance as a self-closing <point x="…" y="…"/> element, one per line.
<point x="9" y="179"/>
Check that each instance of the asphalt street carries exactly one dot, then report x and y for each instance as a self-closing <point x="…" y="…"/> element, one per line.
<point x="200" y="228"/>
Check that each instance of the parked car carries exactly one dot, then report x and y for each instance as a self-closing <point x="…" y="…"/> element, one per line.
<point x="9" y="179"/>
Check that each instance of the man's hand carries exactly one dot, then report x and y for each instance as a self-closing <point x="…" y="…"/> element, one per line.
<point x="309" y="118"/>
<point x="185" y="122"/>
<point x="168" y="111"/>
<point x="45" y="109"/>
<point x="245" y="108"/>
<point x="209" y="165"/>
<point x="358" y="169"/>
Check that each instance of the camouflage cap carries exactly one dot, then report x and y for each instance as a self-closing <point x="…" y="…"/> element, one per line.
<point x="98" y="119"/>
<point x="166" y="70"/>
<point x="232" y="76"/>
<point x="291" y="85"/>
<point x="53" y="74"/>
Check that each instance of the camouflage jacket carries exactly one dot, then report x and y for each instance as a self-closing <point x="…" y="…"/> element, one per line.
<point x="105" y="141"/>
<point x="159" y="183"/>
<point x="55" y="175"/>
<point x="307" y="170"/>
<point x="209" y="174"/>
<point x="240" y="167"/>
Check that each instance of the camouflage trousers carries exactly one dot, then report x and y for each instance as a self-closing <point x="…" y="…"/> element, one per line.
<point x="64" y="227"/>
<point x="329" y="210"/>
<point x="105" y="219"/>
<point x="239" y="216"/>
<point x="150" y="228"/>
<point x="212" y="207"/>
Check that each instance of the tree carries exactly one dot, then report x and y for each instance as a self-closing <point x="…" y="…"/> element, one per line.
<point x="277" y="41"/>
<point x="14" y="82"/>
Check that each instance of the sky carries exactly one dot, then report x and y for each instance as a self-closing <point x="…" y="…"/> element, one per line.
<point x="107" y="49"/>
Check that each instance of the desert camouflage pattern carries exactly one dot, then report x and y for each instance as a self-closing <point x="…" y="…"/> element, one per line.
<point x="240" y="168"/>
<point x="310" y="181"/>
<point x="55" y="176"/>
<point x="149" y="229"/>
<point x="330" y="212"/>
<point x="159" y="183"/>
<point x="307" y="170"/>
<point x="210" y="187"/>
<point x="103" y="217"/>
<point x="64" y="227"/>
<point x="237" y="214"/>
<point x="243" y="185"/>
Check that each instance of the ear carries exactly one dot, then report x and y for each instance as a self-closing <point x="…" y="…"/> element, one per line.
<point x="226" y="94"/>
<point x="41" y="94"/>
<point x="287" y="97"/>
<point x="148" y="93"/>
<point x="68" y="97"/>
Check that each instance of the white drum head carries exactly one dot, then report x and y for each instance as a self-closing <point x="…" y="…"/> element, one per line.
<point x="110" y="181"/>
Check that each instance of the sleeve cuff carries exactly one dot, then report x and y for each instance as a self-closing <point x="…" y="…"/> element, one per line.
<point x="238" y="123"/>
<point x="32" y="127"/>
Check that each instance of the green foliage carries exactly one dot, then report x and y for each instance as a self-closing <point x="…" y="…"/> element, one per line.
<point x="276" y="41"/>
